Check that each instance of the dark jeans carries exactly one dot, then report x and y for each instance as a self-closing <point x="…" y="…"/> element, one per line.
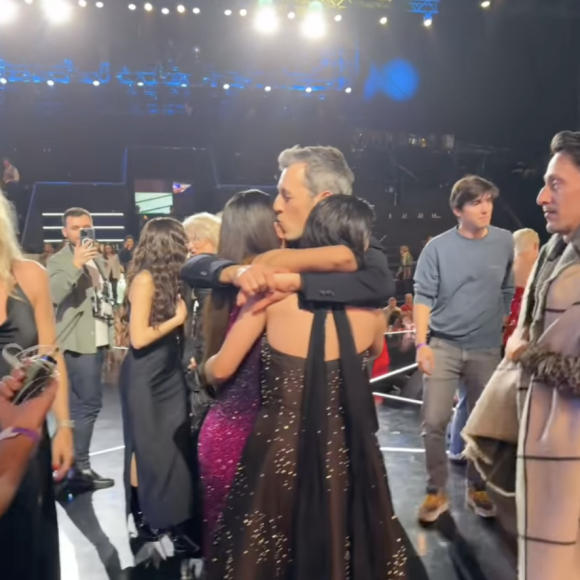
<point x="114" y="283"/>
<point x="86" y="399"/>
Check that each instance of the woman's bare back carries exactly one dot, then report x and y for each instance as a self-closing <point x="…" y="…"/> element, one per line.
<point x="288" y="329"/>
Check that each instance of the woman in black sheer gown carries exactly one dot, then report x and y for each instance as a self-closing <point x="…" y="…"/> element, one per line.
<point x="311" y="498"/>
<point x="158" y="444"/>
<point x="28" y="529"/>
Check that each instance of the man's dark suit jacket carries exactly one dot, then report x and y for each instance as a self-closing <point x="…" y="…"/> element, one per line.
<point x="371" y="286"/>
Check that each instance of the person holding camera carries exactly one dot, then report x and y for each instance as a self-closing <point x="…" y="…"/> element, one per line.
<point x="85" y="325"/>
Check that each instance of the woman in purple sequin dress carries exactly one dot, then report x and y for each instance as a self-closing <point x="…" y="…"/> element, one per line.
<point x="247" y="230"/>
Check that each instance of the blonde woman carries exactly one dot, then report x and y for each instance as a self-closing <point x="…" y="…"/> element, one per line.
<point x="27" y="319"/>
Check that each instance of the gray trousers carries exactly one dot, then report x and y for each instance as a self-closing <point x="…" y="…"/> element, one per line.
<point x="453" y="366"/>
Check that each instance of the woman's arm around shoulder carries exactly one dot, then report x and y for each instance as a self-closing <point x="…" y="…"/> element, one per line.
<point x="327" y="259"/>
<point x="247" y="329"/>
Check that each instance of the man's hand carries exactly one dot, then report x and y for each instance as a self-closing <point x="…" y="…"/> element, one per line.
<point x="84" y="253"/>
<point x="426" y="360"/>
<point x="284" y="286"/>
<point x="516" y="347"/>
<point x="256" y="279"/>
<point x="62" y="453"/>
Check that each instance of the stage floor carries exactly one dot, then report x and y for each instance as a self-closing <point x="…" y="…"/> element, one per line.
<point x="94" y="537"/>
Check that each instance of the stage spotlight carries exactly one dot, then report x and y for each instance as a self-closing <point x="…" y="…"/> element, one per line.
<point x="181" y="9"/>
<point x="96" y="84"/>
<point x="338" y="18"/>
<point x="266" y="20"/>
<point x="226" y="87"/>
<point x="183" y="85"/>
<point x="485" y="3"/>
<point x="3" y="81"/>
<point x="291" y="15"/>
<point x="132" y="7"/>
<point x="148" y="7"/>
<point x="348" y="90"/>
<point x="243" y="12"/>
<point x="99" y="4"/>
<point x="308" y="89"/>
<point x="427" y="20"/>
<point x="29" y="1"/>
<point x="267" y="89"/>
<point x="139" y="84"/>
<point x="83" y="3"/>
<point x="50" y="83"/>
<point x="383" y="20"/>
<point x="196" y="10"/>
<point x="57" y="11"/>
<point x="228" y="12"/>
<point x="8" y="11"/>
<point x="165" y="11"/>
<point x="314" y="26"/>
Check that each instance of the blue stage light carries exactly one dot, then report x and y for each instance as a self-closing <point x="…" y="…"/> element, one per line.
<point x="397" y="79"/>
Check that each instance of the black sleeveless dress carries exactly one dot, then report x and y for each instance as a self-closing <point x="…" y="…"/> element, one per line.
<point x="29" y="529"/>
<point x="157" y="430"/>
<point x="311" y="499"/>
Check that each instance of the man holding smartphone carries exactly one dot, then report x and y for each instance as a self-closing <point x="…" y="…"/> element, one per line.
<point x="85" y="329"/>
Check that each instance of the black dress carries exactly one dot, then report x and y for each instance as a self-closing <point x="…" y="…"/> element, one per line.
<point x="311" y="498"/>
<point x="156" y="429"/>
<point x="29" y="529"/>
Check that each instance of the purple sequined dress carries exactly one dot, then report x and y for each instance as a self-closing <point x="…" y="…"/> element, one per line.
<point x="223" y="435"/>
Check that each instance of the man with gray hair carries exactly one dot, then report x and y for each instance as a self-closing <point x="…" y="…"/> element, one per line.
<point x="309" y="174"/>
<point x="203" y="232"/>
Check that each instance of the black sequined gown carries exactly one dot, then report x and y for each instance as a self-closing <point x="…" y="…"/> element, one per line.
<point x="29" y="529"/>
<point x="302" y="506"/>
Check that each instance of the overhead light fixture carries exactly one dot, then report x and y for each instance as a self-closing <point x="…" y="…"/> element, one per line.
<point x="228" y="12"/>
<point x="148" y="7"/>
<point x="140" y="84"/>
<point x="28" y="1"/>
<point x="83" y="3"/>
<point x="181" y="9"/>
<point x="57" y="11"/>
<point x="96" y="84"/>
<point x="226" y="87"/>
<point x="338" y="18"/>
<point x="132" y="7"/>
<point x="183" y="85"/>
<point x="50" y="83"/>
<point x="308" y="89"/>
<point x="3" y="81"/>
<point x="348" y="90"/>
<point x="266" y="20"/>
<point x="314" y="26"/>
<point x="8" y="11"/>
<point x="427" y="20"/>
<point x="485" y="3"/>
<point x="383" y="20"/>
<point x="291" y="15"/>
<point x="267" y="89"/>
<point x="99" y="4"/>
<point x="243" y="12"/>
<point x="165" y="11"/>
<point x="196" y="10"/>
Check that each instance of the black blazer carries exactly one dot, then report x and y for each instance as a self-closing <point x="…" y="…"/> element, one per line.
<point x="371" y="286"/>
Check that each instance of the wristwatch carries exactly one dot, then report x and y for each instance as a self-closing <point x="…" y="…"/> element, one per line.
<point x="13" y="432"/>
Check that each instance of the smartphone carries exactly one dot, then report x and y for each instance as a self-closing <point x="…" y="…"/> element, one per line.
<point x="87" y="236"/>
<point x="39" y="373"/>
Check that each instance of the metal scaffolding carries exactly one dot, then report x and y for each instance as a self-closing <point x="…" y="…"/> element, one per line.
<point x="429" y="7"/>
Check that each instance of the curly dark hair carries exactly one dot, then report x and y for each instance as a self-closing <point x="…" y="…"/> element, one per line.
<point x="162" y="251"/>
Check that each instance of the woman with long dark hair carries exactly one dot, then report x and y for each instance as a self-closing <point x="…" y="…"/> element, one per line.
<point x="310" y="499"/>
<point x="247" y="230"/>
<point x="158" y="453"/>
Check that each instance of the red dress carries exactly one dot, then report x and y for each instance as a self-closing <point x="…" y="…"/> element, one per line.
<point x="514" y="314"/>
<point x="381" y="364"/>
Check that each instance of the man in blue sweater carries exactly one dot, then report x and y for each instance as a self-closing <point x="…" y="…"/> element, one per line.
<point x="463" y="293"/>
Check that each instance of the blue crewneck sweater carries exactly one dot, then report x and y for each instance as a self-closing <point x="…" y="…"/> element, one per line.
<point x="468" y="284"/>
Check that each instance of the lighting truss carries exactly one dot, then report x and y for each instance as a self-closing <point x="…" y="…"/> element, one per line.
<point x="429" y="7"/>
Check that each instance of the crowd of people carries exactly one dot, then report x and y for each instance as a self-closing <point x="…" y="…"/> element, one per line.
<point x="249" y="424"/>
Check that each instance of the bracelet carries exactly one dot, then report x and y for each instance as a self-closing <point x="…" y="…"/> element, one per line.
<point x="420" y="346"/>
<point x="66" y="424"/>
<point x="13" y="432"/>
